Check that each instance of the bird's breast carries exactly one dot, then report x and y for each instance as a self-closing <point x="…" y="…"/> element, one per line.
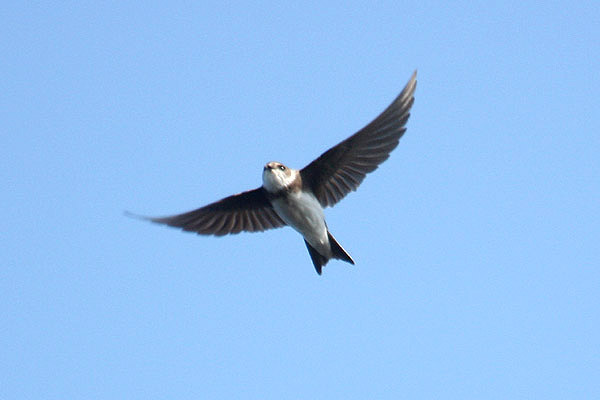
<point x="302" y="211"/>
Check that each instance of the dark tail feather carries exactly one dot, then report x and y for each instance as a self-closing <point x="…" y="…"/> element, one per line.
<point x="338" y="251"/>
<point x="317" y="259"/>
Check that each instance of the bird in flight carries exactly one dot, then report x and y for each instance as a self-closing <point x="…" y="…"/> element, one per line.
<point x="297" y="197"/>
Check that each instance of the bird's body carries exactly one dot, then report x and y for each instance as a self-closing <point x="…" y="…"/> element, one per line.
<point x="297" y="197"/>
<point x="302" y="211"/>
<point x="299" y="208"/>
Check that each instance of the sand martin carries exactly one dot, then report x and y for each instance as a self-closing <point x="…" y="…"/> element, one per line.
<point x="297" y="197"/>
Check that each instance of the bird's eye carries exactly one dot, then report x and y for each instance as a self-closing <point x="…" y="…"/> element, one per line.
<point x="281" y="167"/>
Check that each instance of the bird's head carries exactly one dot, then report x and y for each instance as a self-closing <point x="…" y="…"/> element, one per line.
<point x="278" y="177"/>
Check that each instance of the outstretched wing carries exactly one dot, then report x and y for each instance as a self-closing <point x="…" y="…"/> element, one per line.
<point x="249" y="211"/>
<point x="342" y="168"/>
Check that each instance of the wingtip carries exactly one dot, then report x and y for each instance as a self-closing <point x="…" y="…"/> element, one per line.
<point x="413" y="79"/>
<point x="409" y="88"/>
<point x="129" y="214"/>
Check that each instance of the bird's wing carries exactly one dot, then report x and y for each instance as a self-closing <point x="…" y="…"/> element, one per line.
<point x="342" y="168"/>
<point x="249" y="211"/>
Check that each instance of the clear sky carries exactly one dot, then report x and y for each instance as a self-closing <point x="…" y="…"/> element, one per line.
<point x="476" y="244"/>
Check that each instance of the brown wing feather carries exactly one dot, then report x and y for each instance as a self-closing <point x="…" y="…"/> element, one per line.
<point x="342" y="168"/>
<point x="249" y="211"/>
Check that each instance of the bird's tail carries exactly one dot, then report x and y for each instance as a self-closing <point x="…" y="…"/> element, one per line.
<point x="337" y="251"/>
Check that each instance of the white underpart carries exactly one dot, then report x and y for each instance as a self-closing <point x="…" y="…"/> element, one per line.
<point x="303" y="212"/>
<point x="300" y="210"/>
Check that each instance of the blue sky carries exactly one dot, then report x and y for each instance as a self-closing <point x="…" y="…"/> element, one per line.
<point x="476" y="243"/>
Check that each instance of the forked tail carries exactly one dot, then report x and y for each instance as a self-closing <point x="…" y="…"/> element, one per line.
<point x="337" y="251"/>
